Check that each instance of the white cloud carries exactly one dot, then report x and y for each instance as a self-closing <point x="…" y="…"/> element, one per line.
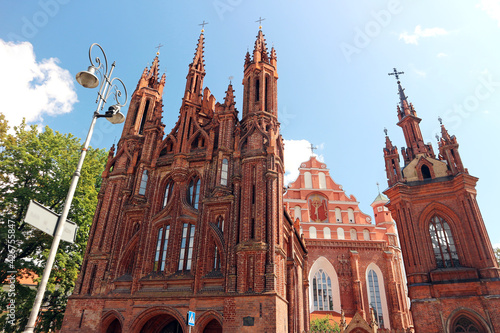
<point x="421" y="33"/>
<point x="492" y="8"/>
<point x="441" y="55"/>
<point x="297" y="152"/>
<point x="30" y="88"/>
<point x="420" y="72"/>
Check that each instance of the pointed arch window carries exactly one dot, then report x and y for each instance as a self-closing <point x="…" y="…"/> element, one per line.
<point x="312" y="232"/>
<point x="307" y="180"/>
<point x="374" y="296"/>
<point x="322" y="180"/>
<point x="366" y="234"/>
<point x="338" y="215"/>
<point x="465" y="324"/>
<point x="426" y="172"/>
<point x="224" y="172"/>
<point x="168" y="192"/>
<point x="187" y="243"/>
<point x="144" y="182"/>
<point x="161" y="249"/>
<point x="350" y="215"/>
<point x="144" y="118"/>
<point x="193" y="193"/>
<point x="327" y="234"/>
<point x="220" y="223"/>
<point x="443" y="244"/>
<point x="322" y="292"/>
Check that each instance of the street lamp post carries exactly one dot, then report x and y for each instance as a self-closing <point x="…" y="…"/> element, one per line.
<point x="87" y="79"/>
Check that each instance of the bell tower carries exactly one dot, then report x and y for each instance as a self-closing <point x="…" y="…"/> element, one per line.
<point x="453" y="277"/>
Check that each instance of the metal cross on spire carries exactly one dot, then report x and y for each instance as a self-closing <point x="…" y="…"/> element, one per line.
<point x="396" y="73"/>
<point x="312" y="149"/>
<point x="378" y="187"/>
<point x="158" y="47"/>
<point x="203" y="24"/>
<point x="260" y="21"/>
<point x="230" y="79"/>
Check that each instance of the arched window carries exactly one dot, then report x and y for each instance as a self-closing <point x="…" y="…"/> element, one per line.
<point x="224" y="172"/>
<point x="465" y="324"/>
<point x="327" y="234"/>
<point x="187" y="243"/>
<point x="350" y="215"/>
<point x="220" y="223"/>
<point x="374" y="297"/>
<point x="443" y="243"/>
<point x="168" y="192"/>
<point x="340" y="233"/>
<point x="307" y="180"/>
<point x="338" y="215"/>
<point x="297" y="213"/>
<point x="426" y="173"/>
<point x="354" y="234"/>
<point x="322" y="292"/>
<point x="193" y="193"/>
<point x="144" y="182"/>
<point x="366" y="234"/>
<point x="312" y="232"/>
<point x="161" y="248"/>
<point x="322" y="180"/>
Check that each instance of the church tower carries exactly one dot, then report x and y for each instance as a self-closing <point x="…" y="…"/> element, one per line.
<point x="453" y="277"/>
<point x="193" y="220"/>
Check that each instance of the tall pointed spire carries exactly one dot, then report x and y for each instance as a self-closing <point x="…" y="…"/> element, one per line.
<point x="196" y="73"/>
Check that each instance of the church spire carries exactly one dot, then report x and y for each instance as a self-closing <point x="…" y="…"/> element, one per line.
<point x="448" y="151"/>
<point x="196" y="73"/>
<point x="409" y="122"/>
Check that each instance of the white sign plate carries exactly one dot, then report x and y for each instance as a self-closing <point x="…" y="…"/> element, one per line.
<point x="45" y="220"/>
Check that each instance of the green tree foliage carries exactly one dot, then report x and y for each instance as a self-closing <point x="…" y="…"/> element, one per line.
<point x="38" y="165"/>
<point x="497" y="254"/>
<point x="324" y="324"/>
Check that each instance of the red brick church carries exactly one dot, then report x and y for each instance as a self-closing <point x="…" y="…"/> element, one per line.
<point x="199" y="219"/>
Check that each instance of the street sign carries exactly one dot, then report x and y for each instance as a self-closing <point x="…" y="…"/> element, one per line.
<point x="191" y="316"/>
<point x="46" y="220"/>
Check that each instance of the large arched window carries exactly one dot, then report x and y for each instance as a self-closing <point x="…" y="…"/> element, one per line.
<point x="374" y="297"/>
<point x="465" y="324"/>
<point x="144" y="182"/>
<point x="324" y="289"/>
<point x="224" y="172"/>
<point x="161" y="248"/>
<point x="168" y="192"/>
<point x="193" y="193"/>
<point x="216" y="266"/>
<point x="322" y="292"/>
<point x="443" y="243"/>
<point x="220" y="223"/>
<point x="187" y="243"/>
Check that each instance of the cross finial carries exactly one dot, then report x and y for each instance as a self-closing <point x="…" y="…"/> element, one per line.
<point x="385" y="131"/>
<point x="437" y="137"/>
<point x="158" y="47"/>
<point x="378" y="187"/>
<point x="230" y="79"/>
<point x="260" y="22"/>
<point x="312" y="149"/>
<point x="396" y="73"/>
<point x="203" y="24"/>
<point x="440" y="120"/>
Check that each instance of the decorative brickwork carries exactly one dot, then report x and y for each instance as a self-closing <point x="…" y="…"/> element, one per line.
<point x="453" y="277"/>
<point x="193" y="220"/>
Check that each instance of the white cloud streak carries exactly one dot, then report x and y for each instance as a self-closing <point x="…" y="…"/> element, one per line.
<point x="297" y="152"/>
<point x="492" y="8"/>
<point x="30" y="88"/>
<point x="421" y="33"/>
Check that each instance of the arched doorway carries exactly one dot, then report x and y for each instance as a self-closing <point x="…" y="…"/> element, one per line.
<point x="162" y="324"/>
<point x="213" y="327"/>
<point x="114" y="327"/>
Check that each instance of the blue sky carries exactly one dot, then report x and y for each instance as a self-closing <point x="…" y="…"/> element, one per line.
<point x="333" y="60"/>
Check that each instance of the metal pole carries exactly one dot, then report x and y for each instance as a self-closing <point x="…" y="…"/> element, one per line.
<point x="57" y="237"/>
